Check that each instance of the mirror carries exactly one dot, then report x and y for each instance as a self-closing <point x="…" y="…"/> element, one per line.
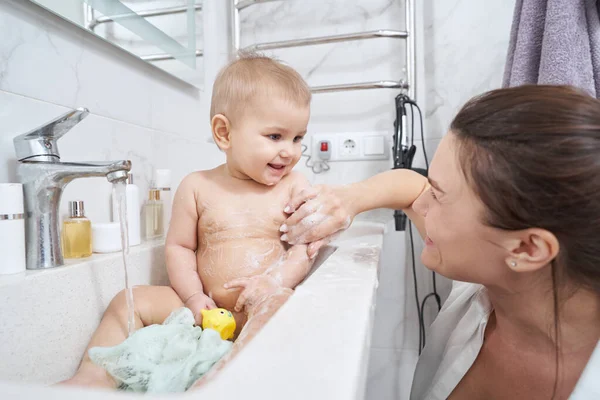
<point x="164" y="33"/>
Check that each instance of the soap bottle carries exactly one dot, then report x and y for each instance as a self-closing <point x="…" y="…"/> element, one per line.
<point x="76" y="233"/>
<point x="162" y="182"/>
<point x="132" y="196"/>
<point x="154" y="215"/>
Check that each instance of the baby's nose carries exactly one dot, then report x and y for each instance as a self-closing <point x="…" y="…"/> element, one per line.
<point x="285" y="152"/>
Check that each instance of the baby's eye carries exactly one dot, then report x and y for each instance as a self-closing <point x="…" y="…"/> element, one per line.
<point x="298" y="139"/>
<point x="275" y="136"/>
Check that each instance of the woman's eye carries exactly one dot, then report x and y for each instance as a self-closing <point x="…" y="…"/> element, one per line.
<point x="275" y="137"/>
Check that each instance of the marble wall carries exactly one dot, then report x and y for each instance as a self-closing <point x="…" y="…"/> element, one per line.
<point x="138" y="112"/>
<point x="336" y="63"/>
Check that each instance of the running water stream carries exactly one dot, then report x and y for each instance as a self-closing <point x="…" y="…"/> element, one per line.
<point x="120" y="200"/>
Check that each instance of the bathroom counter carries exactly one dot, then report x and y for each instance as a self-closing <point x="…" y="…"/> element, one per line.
<point x="315" y="347"/>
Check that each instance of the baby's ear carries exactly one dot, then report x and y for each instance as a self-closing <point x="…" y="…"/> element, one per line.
<point x="221" y="130"/>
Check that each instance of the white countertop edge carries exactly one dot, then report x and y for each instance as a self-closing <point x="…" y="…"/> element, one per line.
<point x="79" y="263"/>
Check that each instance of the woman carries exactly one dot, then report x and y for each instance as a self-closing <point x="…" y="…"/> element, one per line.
<point x="512" y="213"/>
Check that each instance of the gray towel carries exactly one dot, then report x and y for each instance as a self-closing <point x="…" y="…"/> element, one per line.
<point x="555" y="42"/>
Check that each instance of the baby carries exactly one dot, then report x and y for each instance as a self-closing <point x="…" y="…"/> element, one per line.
<point x="223" y="248"/>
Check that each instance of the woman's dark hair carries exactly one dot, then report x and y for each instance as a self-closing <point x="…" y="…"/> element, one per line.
<point x="532" y="155"/>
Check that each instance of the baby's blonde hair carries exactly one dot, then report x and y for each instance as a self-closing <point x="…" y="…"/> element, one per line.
<point x="251" y="75"/>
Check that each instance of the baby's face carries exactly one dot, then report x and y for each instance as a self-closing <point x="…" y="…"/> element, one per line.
<point x="266" y="142"/>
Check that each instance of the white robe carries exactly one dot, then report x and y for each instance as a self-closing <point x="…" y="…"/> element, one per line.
<point x="454" y="341"/>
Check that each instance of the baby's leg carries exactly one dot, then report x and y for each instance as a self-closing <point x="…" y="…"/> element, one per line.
<point x="153" y="304"/>
<point x="258" y="316"/>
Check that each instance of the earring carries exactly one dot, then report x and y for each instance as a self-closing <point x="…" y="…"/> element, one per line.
<point x="513" y="264"/>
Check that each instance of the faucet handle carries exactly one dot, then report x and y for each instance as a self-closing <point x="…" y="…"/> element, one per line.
<point x="42" y="141"/>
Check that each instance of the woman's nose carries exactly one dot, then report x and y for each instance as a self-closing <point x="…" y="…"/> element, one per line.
<point x="420" y="205"/>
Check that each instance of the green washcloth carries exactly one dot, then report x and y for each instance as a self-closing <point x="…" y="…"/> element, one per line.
<point x="163" y="358"/>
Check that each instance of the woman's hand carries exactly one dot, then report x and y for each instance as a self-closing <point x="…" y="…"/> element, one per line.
<point x="317" y="213"/>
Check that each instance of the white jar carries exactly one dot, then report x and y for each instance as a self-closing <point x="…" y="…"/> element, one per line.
<point x="132" y="196"/>
<point x="106" y="237"/>
<point x="12" y="229"/>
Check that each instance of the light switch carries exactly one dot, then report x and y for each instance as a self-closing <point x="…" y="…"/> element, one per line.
<point x="374" y="146"/>
<point x="324" y="150"/>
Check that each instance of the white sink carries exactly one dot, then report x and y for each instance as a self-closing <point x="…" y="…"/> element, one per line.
<point x="49" y="316"/>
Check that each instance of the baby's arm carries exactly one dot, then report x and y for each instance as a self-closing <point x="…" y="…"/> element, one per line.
<point x="180" y="249"/>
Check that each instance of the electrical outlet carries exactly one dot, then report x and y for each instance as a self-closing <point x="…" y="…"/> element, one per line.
<point x="352" y="146"/>
<point x="348" y="147"/>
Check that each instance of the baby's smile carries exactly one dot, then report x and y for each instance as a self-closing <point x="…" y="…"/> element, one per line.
<point x="277" y="169"/>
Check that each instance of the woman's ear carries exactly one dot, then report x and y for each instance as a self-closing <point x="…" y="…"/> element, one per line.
<point x="531" y="249"/>
<point x="221" y="131"/>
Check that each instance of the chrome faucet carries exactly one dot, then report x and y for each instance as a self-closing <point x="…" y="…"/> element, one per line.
<point x="44" y="178"/>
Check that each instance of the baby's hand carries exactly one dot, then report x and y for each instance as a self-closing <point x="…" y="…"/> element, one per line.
<point x="255" y="289"/>
<point x="198" y="302"/>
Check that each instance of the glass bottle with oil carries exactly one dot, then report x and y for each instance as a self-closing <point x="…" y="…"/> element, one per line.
<point x="76" y="238"/>
<point x="154" y="215"/>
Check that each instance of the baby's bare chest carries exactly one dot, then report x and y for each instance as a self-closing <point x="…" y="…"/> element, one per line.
<point x="243" y="216"/>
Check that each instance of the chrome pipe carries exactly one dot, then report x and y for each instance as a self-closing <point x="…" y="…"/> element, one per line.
<point x="88" y="14"/>
<point x="164" y="56"/>
<point x="360" y="86"/>
<point x="383" y="33"/>
<point x="149" y="13"/>
<point x="236" y="25"/>
<point x="411" y="43"/>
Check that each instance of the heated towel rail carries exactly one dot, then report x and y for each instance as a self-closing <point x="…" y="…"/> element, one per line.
<point x="409" y="35"/>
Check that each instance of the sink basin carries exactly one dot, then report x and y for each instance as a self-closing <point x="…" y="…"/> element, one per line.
<point x="49" y="316"/>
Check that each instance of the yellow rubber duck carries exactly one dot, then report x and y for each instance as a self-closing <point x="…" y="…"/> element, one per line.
<point x="220" y="320"/>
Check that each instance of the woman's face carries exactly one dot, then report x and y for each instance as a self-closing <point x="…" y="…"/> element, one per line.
<point x="458" y="244"/>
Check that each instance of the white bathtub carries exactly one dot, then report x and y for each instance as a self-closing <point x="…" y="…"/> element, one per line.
<point x="316" y="346"/>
